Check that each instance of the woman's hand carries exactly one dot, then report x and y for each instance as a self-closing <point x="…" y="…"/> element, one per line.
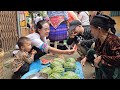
<point x="75" y="47"/>
<point x="72" y="50"/>
<point x="83" y="61"/>
<point x="97" y="61"/>
<point x="69" y="52"/>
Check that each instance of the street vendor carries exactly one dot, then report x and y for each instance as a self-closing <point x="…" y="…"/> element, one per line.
<point x="107" y="48"/>
<point x="39" y="41"/>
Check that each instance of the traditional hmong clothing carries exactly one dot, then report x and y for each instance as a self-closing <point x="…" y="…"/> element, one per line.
<point x="58" y="26"/>
<point x="109" y="67"/>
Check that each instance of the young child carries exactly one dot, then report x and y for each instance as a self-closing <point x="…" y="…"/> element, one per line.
<point x="22" y="58"/>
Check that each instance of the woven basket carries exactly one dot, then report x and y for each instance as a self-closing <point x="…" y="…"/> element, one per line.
<point x="1" y="63"/>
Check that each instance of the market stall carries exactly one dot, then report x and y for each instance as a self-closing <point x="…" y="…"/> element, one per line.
<point x="37" y="66"/>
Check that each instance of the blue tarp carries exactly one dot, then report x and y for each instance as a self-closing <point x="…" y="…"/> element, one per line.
<point x="36" y="66"/>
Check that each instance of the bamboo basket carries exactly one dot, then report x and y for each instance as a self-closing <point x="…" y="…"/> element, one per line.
<point x="1" y="63"/>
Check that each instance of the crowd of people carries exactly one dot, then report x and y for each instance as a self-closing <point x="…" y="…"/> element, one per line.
<point x="94" y="36"/>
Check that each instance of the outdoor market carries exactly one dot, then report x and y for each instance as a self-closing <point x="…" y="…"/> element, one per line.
<point x="59" y="44"/>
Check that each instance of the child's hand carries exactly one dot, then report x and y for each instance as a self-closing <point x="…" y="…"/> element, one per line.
<point x="33" y="52"/>
<point x="25" y="54"/>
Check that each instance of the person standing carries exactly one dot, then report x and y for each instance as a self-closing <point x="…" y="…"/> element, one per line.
<point x="38" y="18"/>
<point x="94" y="13"/>
<point x="58" y="25"/>
<point x="83" y="16"/>
<point x="72" y="16"/>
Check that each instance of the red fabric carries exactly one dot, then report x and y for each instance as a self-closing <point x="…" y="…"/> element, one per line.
<point x="72" y="16"/>
<point x="56" y="21"/>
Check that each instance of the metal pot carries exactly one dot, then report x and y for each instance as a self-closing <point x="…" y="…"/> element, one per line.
<point x="38" y="76"/>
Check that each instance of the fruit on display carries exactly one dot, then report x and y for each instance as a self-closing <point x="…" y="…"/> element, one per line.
<point x="55" y="63"/>
<point x="70" y="66"/>
<point x="45" y="61"/>
<point x="54" y="76"/>
<point x="65" y="77"/>
<point x="58" y="69"/>
<point x="71" y="60"/>
<point x="60" y="60"/>
<point x="61" y="69"/>
<point x="71" y="75"/>
<point x="47" y="70"/>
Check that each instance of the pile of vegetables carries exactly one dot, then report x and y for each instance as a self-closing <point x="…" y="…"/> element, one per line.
<point x="61" y="69"/>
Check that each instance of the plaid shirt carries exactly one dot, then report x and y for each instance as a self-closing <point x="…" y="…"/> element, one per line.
<point x="20" y="59"/>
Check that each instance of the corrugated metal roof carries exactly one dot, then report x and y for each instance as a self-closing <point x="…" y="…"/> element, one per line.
<point x="115" y="13"/>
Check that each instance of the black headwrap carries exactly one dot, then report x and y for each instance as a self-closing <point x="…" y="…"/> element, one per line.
<point x="104" y="21"/>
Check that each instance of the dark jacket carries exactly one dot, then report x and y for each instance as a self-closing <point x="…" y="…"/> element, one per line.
<point x="86" y="40"/>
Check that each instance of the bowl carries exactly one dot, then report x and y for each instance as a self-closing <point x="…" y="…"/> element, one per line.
<point x="38" y="75"/>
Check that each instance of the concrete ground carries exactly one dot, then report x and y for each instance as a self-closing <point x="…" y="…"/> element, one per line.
<point x="87" y="69"/>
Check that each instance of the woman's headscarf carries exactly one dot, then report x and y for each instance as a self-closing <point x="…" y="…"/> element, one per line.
<point x="104" y="22"/>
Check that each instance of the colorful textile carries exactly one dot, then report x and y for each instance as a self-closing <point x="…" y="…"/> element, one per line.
<point x="58" y="34"/>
